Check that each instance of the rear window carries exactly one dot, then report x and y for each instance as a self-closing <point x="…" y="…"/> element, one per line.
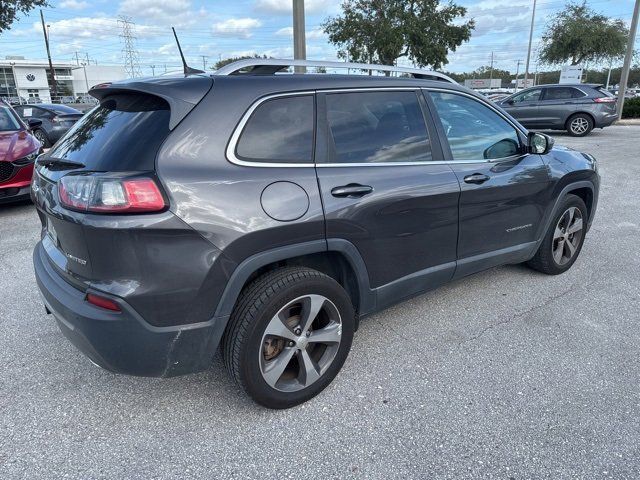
<point x="123" y="133"/>
<point x="604" y="92"/>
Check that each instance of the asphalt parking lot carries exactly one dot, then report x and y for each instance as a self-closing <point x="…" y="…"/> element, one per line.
<point x="506" y="374"/>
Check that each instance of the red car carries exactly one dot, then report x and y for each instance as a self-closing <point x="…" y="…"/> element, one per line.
<point x="18" y="151"/>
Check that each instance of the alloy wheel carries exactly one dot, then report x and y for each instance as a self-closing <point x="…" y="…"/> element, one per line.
<point x="567" y="235"/>
<point x="300" y="343"/>
<point x="579" y="125"/>
<point x="40" y="137"/>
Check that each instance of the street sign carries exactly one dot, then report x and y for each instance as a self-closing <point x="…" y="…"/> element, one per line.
<point x="570" y="74"/>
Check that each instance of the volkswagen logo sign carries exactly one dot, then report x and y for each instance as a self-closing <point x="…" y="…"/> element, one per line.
<point x="31" y="77"/>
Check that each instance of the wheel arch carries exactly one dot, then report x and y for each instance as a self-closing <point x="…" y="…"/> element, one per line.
<point x="336" y="258"/>
<point x="579" y="112"/>
<point x="584" y="189"/>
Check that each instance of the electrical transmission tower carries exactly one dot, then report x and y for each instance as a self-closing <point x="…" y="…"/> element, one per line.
<point x="129" y="51"/>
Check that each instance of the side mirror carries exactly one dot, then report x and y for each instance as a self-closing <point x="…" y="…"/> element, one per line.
<point x="34" y="122"/>
<point x="540" y="143"/>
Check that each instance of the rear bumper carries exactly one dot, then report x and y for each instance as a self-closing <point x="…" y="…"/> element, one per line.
<point x="123" y="342"/>
<point x="605" y="119"/>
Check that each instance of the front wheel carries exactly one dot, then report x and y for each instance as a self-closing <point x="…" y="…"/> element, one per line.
<point x="563" y="241"/>
<point x="289" y="335"/>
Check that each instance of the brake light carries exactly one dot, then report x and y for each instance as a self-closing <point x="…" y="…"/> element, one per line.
<point x="103" y="302"/>
<point x="88" y="193"/>
<point x="605" y="100"/>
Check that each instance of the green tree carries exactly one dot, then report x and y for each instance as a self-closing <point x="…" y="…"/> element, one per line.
<point x="578" y="34"/>
<point x="381" y="31"/>
<point x="10" y="8"/>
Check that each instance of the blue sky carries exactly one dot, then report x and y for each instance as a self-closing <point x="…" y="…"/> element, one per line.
<point x="219" y="29"/>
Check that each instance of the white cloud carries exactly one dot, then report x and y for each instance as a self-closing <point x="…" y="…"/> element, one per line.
<point x="282" y="7"/>
<point x="165" y="12"/>
<point x="74" y="4"/>
<point x="316" y="34"/>
<point x="236" y="27"/>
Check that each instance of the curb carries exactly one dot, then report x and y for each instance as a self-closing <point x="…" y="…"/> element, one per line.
<point x="628" y="121"/>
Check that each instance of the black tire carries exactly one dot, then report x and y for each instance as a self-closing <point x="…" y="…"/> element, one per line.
<point x="544" y="260"/>
<point x="579" y="125"/>
<point x="244" y="347"/>
<point x="41" y="136"/>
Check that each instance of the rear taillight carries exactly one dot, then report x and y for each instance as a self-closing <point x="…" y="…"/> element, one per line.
<point x="88" y="193"/>
<point x="605" y="100"/>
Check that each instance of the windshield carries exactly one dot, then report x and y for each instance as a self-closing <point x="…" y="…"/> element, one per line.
<point x="8" y="120"/>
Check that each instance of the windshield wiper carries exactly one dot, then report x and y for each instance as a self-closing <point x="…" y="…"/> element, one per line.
<point x="56" y="164"/>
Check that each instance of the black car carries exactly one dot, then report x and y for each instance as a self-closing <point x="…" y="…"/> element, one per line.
<point x="56" y="120"/>
<point x="268" y="214"/>
<point x="578" y="108"/>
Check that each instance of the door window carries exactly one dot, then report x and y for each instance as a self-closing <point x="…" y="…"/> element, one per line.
<point x="527" y="96"/>
<point x="474" y="131"/>
<point x="279" y="130"/>
<point x="562" y="93"/>
<point x="377" y="127"/>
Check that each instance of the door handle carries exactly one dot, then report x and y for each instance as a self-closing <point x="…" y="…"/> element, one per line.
<point x="476" y="178"/>
<point x="353" y="190"/>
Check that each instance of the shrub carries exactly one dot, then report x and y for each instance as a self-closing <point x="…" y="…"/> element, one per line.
<point x="631" y="108"/>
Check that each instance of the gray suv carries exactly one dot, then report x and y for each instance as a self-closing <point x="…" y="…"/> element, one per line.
<point x="268" y="214"/>
<point x="578" y="109"/>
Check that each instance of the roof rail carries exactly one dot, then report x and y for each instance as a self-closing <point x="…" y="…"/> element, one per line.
<point x="270" y="66"/>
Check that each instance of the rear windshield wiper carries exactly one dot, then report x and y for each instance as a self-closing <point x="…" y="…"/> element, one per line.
<point x="55" y="164"/>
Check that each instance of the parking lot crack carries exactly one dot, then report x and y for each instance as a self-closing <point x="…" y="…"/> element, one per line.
<point x="518" y="315"/>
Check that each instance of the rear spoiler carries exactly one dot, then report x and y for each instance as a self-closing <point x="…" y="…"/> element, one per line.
<point x="181" y="93"/>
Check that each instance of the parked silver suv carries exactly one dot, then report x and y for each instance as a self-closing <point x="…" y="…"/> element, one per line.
<point x="576" y="108"/>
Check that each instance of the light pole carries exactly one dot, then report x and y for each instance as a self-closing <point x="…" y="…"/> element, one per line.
<point x="526" y="68"/>
<point x="299" y="43"/>
<point x="624" y="78"/>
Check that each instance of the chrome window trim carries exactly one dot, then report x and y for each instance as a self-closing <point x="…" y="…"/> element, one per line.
<point x="233" y="141"/>
<point x="237" y="132"/>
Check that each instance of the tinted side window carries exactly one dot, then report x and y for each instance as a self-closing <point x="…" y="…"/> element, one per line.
<point x="279" y="130"/>
<point x="562" y="93"/>
<point x="373" y="127"/>
<point x="474" y="131"/>
<point x="528" y="96"/>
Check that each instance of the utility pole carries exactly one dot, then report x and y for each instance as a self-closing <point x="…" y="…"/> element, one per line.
<point x="526" y="68"/>
<point x="77" y="59"/>
<point x="609" y="74"/>
<point x="153" y="70"/>
<point x="491" y="70"/>
<point x="517" y="73"/>
<point x="299" y="41"/>
<point x="54" y="90"/>
<point x="624" y="78"/>
<point x="204" y="62"/>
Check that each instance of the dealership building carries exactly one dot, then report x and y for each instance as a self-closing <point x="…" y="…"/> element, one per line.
<point x="26" y="79"/>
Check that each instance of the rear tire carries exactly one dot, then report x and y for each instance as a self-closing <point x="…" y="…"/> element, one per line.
<point x="579" y="125"/>
<point x="564" y="238"/>
<point x="288" y="336"/>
